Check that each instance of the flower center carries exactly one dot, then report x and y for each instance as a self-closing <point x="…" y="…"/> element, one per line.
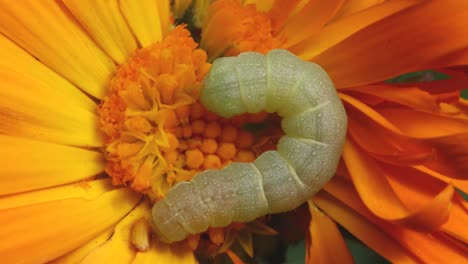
<point x="157" y="133"/>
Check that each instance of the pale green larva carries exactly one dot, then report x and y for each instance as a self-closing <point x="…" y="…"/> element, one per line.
<point x="314" y="122"/>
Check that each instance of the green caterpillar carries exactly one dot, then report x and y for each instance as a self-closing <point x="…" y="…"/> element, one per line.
<point x="314" y="122"/>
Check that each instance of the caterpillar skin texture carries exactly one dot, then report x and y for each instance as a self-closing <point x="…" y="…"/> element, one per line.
<point x="314" y="122"/>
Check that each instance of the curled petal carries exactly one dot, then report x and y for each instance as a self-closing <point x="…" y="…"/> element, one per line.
<point x="427" y="247"/>
<point x="366" y="231"/>
<point x="368" y="127"/>
<point x="372" y="186"/>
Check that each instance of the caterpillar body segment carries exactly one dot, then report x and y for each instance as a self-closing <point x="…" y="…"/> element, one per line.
<point x="314" y="122"/>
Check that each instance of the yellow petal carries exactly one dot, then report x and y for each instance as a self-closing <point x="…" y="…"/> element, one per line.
<point x="326" y="243"/>
<point x="45" y="30"/>
<point x="363" y="229"/>
<point x="119" y="248"/>
<point x="163" y="253"/>
<point x="180" y="7"/>
<point x="29" y="164"/>
<point x="40" y="232"/>
<point x="104" y="22"/>
<point x="78" y="254"/>
<point x="148" y="19"/>
<point x="86" y="189"/>
<point x="16" y="59"/>
<point x="30" y="109"/>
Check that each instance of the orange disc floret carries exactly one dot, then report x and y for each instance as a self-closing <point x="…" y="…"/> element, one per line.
<point x="209" y="146"/>
<point x="212" y="130"/>
<point x="197" y="111"/>
<point x="229" y="133"/>
<point x="245" y="156"/>
<point x="226" y="151"/>
<point x="198" y="127"/>
<point x="244" y="139"/>
<point x="211" y="162"/>
<point x="146" y="113"/>
<point x="194" y="158"/>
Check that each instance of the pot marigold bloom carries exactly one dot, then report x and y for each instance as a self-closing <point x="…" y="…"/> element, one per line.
<point x="100" y="117"/>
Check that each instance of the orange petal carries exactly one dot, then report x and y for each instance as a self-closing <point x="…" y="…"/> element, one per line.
<point x="412" y="97"/>
<point x="420" y="192"/>
<point x="447" y="155"/>
<point x="373" y="188"/>
<point x="315" y="14"/>
<point x="367" y="127"/>
<point x="17" y="60"/>
<point x="342" y="29"/>
<point x="28" y="108"/>
<point x="448" y="136"/>
<point x="149" y="20"/>
<point x="366" y="231"/>
<point x="459" y="183"/>
<point x="326" y="245"/>
<point x="29" y="164"/>
<point x="234" y="258"/>
<point x="428" y="247"/>
<point x="43" y="29"/>
<point x="280" y="12"/>
<point x="452" y="155"/>
<point x="105" y="23"/>
<point x="407" y="41"/>
<point x="351" y="7"/>
<point x="422" y="124"/>
<point x="163" y="253"/>
<point x="59" y="225"/>
<point x="456" y="224"/>
<point x="459" y="57"/>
